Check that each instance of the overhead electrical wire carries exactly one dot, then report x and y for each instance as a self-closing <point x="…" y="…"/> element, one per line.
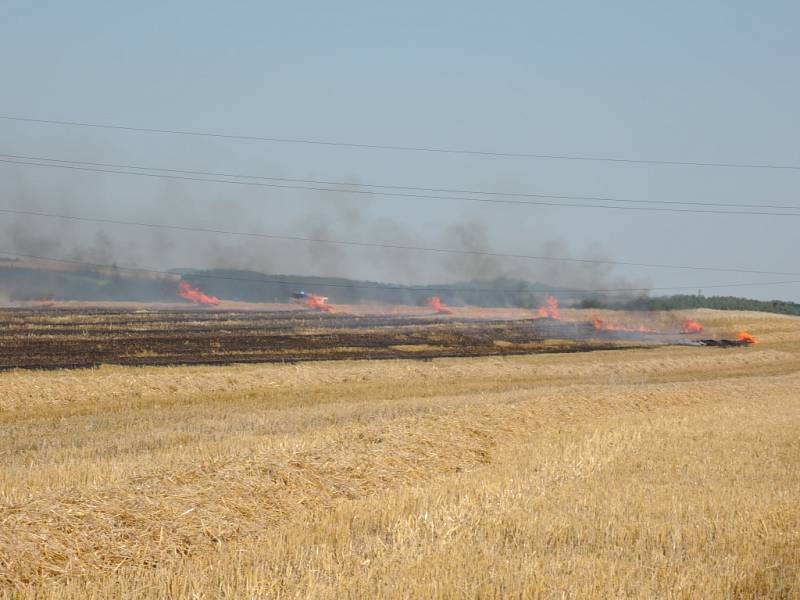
<point x="385" y="245"/>
<point x="400" y="288"/>
<point x="393" y="147"/>
<point x="159" y="175"/>
<point x="514" y="194"/>
<point x="485" y="196"/>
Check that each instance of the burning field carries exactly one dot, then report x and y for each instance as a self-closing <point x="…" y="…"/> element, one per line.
<point x="208" y="448"/>
<point x="51" y="337"/>
<point x="657" y="471"/>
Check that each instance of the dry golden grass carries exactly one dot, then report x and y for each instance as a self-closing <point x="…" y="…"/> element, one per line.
<point x="670" y="472"/>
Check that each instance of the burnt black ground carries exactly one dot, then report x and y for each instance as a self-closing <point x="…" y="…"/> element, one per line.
<point x="74" y="338"/>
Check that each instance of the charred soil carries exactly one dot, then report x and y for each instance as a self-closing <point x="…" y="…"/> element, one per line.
<point x="69" y="338"/>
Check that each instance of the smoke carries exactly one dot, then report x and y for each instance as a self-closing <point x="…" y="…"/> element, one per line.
<point x="62" y="238"/>
<point x="577" y="272"/>
<point x="473" y="236"/>
<point x="305" y="214"/>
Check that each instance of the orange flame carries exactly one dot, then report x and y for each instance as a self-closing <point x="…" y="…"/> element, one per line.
<point x="437" y="305"/>
<point x="549" y="309"/>
<point x="601" y="325"/>
<point x="691" y="326"/>
<point x="745" y="337"/>
<point x="319" y="303"/>
<point x="187" y="292"/>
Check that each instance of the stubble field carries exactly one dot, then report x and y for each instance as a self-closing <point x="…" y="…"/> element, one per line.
<point x="661" y="472"/>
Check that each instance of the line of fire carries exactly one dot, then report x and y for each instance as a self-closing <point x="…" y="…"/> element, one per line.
<point x="198" y="327"/>
<point x="644" y="326"/>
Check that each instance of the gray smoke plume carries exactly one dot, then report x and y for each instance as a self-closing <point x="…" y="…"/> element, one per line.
<point x="301" y="213"/>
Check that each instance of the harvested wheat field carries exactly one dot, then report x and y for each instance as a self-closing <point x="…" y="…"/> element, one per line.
<point x="644" y="472"/>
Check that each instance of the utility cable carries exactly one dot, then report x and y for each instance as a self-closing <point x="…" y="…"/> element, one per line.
<point x="382" y="245"/>
<point x="360" y="184"/>
<point x="428" y="149"/>
<point x="397" y="194"/>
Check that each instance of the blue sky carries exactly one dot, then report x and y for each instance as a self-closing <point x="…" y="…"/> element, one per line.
<point x="708" y="81"/>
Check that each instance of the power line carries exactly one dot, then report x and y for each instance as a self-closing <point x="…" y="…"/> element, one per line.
<point x="391" y="187"/>
<point x="388" y="246"/>
<point x="363" y="146"/>
<point x="400" y="288"/>
<point x="392" y="194"/>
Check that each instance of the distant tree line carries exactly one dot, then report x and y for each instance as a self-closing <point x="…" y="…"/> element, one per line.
<point x="685" y="301"/>
<point x="19" y="282"/>
<point x="27" y="283"/>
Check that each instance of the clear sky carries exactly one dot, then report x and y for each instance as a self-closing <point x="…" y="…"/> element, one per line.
<point x="688" y="81"/>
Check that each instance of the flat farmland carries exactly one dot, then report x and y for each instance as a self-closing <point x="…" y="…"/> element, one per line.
<point x="666" y="471"/>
